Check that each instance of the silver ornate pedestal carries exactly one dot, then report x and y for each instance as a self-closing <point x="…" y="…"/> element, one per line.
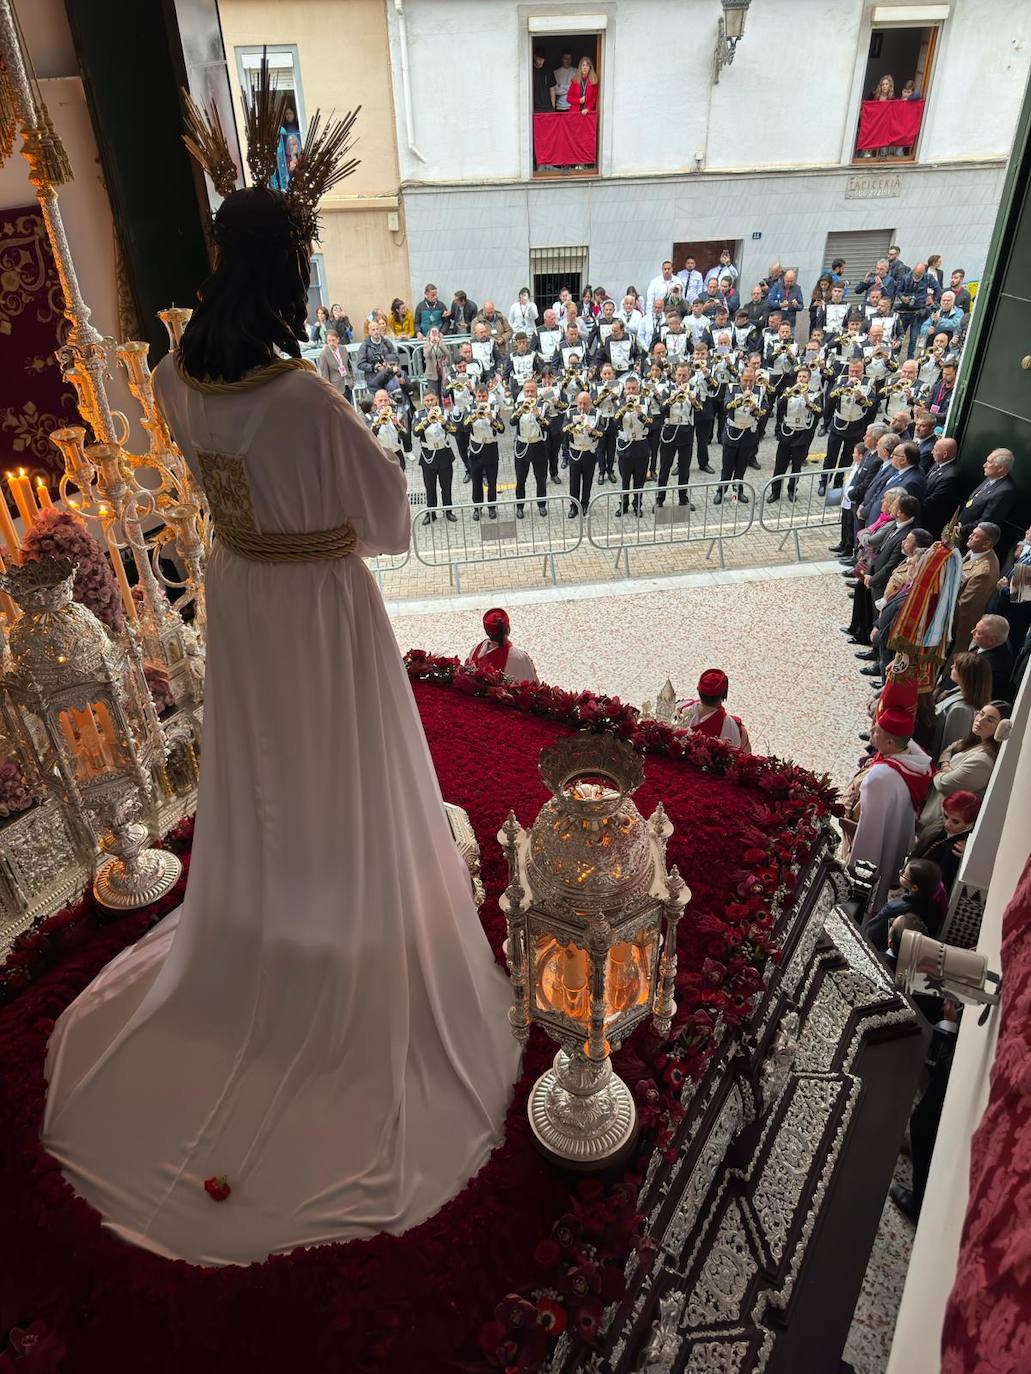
<point x="581" y="1113"/>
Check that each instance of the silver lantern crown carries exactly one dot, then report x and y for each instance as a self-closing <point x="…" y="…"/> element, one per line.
<point x="77" y="703"/>
<point x="592" y="918"/>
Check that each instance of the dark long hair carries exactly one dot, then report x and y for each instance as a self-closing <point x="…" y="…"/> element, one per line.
<point x="256" y="300"/>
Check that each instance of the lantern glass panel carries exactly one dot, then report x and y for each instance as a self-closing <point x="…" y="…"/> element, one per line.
<point x="93" y="743"/>
<point x="562" y="978"/>
<point x="629" y="973"/>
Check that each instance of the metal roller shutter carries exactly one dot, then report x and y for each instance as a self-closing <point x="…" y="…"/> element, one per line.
<point x="860" y="248"/>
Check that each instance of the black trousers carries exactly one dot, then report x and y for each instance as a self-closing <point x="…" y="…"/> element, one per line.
<point x="463" y="446"/>
<point x="653" y="447"/>
<point x="791" y="455"/>
<point x="737" y="454"/>
<point x="840" y="443"/>
<point x="484" y="468"/>
<point x="703" y="432"/>
<point x="533" y="456"/>
<point x="863" y="615"/>
<point x="607" y="452"/>
<point x="581" y="475"/>
<point x="437" y="472"/>
<point x="633" y="469"/>
<point x="553" y="444"/>
<point x="675" y="449"/>
<point x="848" y="529"/>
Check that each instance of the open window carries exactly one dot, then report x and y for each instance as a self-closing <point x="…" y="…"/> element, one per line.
<point x="899" y="67"/>
<point x="565" y="109"/>
<point x="285" y="75"/>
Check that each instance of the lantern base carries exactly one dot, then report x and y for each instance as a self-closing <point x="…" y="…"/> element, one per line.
<point x="582" y="1114"/>
<point x="136" y="877"/>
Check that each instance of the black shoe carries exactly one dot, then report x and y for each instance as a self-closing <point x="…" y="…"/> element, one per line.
<point x="792" y="496"/>
<point x="868" y="654"/>
<point x="905" y="1201"/>
<point x="821" y="487"/>
<point x="847" y="630"/>
<point x="450" y="515"/>
<point x="542" y="508"/>
<point x="476" y="513"/>
<point x="637" y="512"/>
<point x="741" y="496"/>
<point x="428" y="517"/>
<point x="822" y="429"/>
<point x="838" y="549"/>
<point x="864" y="735"/>
<point x="870" y="672"/>
<point x="771" y="498"/>
<point x="492" y="513"/>
<point x="619" y="514"/>
<point x="466" y="477"/>
<point x="717" y="500"/>
<point x="754" y="464"/>
<point x="710" y="471"/>
<point x="658" y="505"/>
<point x="572" y="513"/>
<point x="520" y="514"/>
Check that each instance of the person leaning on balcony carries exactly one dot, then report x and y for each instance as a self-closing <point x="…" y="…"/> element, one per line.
<point x="562" y="78"/>
<point x="583" y="91"/>
<point x="543" y="86"/>
<point x="400" y="321"/>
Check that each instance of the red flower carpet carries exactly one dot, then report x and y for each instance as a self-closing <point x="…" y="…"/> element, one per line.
<point x="523" y="1251"/>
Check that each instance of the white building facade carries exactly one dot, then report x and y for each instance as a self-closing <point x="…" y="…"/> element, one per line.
<point x="763" y="160"/>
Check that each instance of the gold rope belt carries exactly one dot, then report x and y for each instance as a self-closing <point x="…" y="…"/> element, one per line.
<point x="257" y="376"/>
<point x="313" y="546"/>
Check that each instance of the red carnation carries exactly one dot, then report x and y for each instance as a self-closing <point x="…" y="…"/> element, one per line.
<point x="217" y="1187"/>
<point x="552" y="1315"/>
<point x="588" y="1321"/>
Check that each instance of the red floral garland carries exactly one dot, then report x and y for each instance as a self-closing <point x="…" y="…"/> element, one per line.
<point x="575" y="1269"/>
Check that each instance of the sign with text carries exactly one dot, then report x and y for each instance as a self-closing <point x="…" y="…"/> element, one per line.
<point x="865" y="186"/>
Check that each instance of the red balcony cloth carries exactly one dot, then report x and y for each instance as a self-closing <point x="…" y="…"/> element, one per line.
<point x="566" y="139"/>
<point x="889" y="123"/>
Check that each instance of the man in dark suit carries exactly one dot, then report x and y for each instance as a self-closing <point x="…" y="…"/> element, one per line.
<point x="869" y="466"/>
<point x="994" y="498"/>
<point x="991" y="642"/>
<point x="925" y="438"/>
<point x="905" y="459"/>
<point x="944" y="482"/>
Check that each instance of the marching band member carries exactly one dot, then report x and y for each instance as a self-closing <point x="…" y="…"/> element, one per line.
<point x="531" y="448"/>
<point x="798" y="411"/>
<point x="388" y="427"/>
<point x="746" y="405"/>
<point x="655" y="388"/>
<point x="519" y="367"/>
<point x="836" y="312"/>
<point x="483" y="425"/>
<point x="621" y="350"/>
<point x="676" y="436"/>
<point x="705" y="388"/>
<point x="903" y="392"/>
<point x="606" y="395"/>
<point x="436" y="456"/>
<point x="549" y="337"/>
<point x="678" y="341"/>
<point x="781" y="359"/>
<point x="461" y="388"/>
<point x="930" y="362"/>
<point x="889" y="321"/>
<point x="854" y="406"/>
<point x="726" y="368"/>
<point x="553" y="407"/>
<point x="583" y="433"/>
<point x="698" y="324"/>
<point x="771" y="333"/>
<point x="878" y="361"/>
<point x="631" y="316"/>
<point x="631" y="421"/>
<point x="572" y="350"/>
<point x="602" y="328"/>
<point x="484" y="350"/>
<point x="746" y="334"/>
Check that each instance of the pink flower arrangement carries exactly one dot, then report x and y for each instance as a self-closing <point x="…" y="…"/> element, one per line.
<point x="14" y="790"/>
<point x="56" y="534"/>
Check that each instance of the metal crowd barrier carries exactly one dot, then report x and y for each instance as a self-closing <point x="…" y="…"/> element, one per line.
<point x="467" y="542"/>
<point x="670" y="524"/>
<point x="809" y="511"/>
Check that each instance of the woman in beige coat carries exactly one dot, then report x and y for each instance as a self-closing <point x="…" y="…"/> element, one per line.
<point x="965" y="766"/>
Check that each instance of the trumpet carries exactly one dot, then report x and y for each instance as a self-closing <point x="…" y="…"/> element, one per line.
<point x="582" y="424"/>
<point x="526" y="407"/>
<point x="632" y="407"/>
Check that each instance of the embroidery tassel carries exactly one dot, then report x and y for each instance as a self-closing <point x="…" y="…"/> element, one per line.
<point x="48" y="161"/>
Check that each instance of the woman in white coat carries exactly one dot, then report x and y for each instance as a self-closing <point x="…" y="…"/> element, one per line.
<point x="965" y="766"/>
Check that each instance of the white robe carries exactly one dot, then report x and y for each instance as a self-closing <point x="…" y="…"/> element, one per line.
<point x="887" y="819"/>
<point x="694" y="713"/>
<point x="322" y="1021"/>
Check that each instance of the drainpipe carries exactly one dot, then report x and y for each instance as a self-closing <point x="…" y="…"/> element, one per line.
<point x="406" y="88"/>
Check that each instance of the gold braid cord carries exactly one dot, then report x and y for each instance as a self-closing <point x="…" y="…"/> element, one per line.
<point x="313" y="546"/>
<point x="257" y="376"/>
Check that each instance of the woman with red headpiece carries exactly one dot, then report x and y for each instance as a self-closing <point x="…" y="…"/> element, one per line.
<point x="499" y="653"/>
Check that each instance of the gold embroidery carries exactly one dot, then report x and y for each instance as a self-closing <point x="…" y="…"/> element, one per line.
<point x="228" y="491"/>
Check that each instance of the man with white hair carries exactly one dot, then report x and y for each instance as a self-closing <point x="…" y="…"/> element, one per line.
<point x="994" y="498"/>
<point x="991" y="642"/>
<point x="947" y="319"/>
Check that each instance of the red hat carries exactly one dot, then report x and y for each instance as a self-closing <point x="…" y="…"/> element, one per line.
<point x="713" y="683"/>
<point x="897" y="721"/>
<point x="496" y="622"/>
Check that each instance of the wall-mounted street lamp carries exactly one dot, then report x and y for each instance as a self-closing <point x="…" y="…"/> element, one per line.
<point x="731" y="31"/>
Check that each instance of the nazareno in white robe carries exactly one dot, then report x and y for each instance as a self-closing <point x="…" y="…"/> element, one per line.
<point x="887" y="819"/>
<point x="322" y="1021"/>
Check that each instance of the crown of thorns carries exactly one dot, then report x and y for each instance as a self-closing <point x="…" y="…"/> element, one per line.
<point x="323" y="161"/>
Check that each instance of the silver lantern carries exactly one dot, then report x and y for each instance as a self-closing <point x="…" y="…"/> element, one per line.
<point x="77" y="703"/>
<point x="592" y="917"/>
